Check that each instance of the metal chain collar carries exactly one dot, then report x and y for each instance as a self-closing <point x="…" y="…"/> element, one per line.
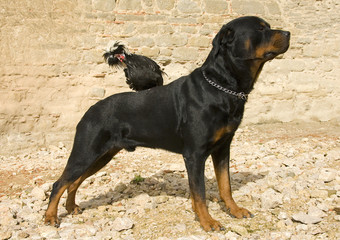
<point x="240" y="95"/>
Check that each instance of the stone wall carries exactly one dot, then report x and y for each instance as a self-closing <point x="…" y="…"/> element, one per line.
<point x="52" y="70"/>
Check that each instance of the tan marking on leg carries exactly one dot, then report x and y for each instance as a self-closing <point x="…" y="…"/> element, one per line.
<point x="51" y="215"/>
<point x="226" y="195"/>
<point x="71" y="205"/>
<point x="193" y="203"/>
<point x="206" y="221"/>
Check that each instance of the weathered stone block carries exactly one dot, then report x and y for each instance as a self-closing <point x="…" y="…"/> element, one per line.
<point x="247" y="7"/>
<point x="172" y="40"/>
<point x="165" y="29"/>
<point x="130" y="17"/>
<point x="147" y="29"/>
<point x="273" y="8"/>
<point x="321" y="49"/>
<point x="283" y="111"/>
<point x="156" y="18"/>
<point x="304" y="82"/>
<point x="270" y="90"/>
<point x="148" y="3"/>
<point x="150" y="52"/>
<point x="216" y="6"/>
<point x="138" y="41"/>
<point x="189" y="29"/>
<point x="97" y="93"/>
<point x="326" y="66"/>
<point x="185" y="54"/>
<point x="206" y="30"/>
<point x="188" y="6"/>
<point x="165" y="52"/>
<point x="216" y="20"/>
<point x="292" y="65"/>
<point x="129" y="29"/>
<point x="182" y="20"/>
<point x="130" y="5"/>
<point x="199" y="41"/>
<point x="324" y="109"/>
<point x="165" y="4"/>
<point x="104" y="5"/>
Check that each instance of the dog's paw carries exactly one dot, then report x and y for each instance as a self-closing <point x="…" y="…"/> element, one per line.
<point x="211" y="225"/>
<point x="52" y="221"/>
<point x="74" y="210"/>
<point x="240" y="213"/>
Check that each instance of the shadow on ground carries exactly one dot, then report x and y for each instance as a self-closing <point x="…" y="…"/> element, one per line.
<point x="171" y="183"/>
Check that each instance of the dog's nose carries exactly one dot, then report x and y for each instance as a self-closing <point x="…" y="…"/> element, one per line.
<point x="286" y="33"/>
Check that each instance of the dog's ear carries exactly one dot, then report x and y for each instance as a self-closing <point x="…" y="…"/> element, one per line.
<point x="224" y="37"/>
<point x="228" y="36"/>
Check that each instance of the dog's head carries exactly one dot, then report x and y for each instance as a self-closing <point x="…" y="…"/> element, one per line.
<point x="250" y="40"/>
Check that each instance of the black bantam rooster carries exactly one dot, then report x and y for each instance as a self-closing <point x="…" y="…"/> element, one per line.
<point x="141" y="72"/>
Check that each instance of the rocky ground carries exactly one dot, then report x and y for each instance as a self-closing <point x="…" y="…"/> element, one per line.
<point x="287" y="175"/>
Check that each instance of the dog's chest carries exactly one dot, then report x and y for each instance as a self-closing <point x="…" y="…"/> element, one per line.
<point x="221" y="132"/>
<point x="228" y="124"/>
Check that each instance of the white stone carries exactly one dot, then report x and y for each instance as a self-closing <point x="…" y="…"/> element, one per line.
<point x="67" y="232"/>
<point x="239" y="229"/>
<point x="7" y="217"/>
<point x="181" y="227"/>
<point x="271" y="199"/>
<point x="142" y="199"/>
<point x="305" y="218"/>
<point x="322" y="206"/>
<point x="120" y="224"/>
<point x="232" y="235"/>
<point x="38" y="193"/>
<point x="319" y="193"/>
<point x="301" y="227"/>
<point x="283" y="215"/>
<point x="327" y="175"/>
<point x="97" y="93"/>
<point x="316" y="212"/>
<point x="46" y="187"/>
<point x="49" y="232"/>
<point x="5" y="234"/>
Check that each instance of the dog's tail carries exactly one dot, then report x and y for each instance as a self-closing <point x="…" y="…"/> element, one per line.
<point x="115" y="54"/>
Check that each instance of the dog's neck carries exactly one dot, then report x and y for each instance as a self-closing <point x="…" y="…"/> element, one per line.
<point x="231" y="74"/>
<point x="247" y="79"/>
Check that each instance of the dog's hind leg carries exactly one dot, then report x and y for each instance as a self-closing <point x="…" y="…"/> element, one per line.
<point x="74" y="174"/>
<point x="51" y="215"/>
<point x="71" y="206"/>
<point x="93" y="148"/>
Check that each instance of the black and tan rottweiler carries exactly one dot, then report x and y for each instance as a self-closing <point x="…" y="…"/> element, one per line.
<point x="196" y="116"/>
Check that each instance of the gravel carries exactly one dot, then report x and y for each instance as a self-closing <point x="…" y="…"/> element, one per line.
<point x="287" y="175"/>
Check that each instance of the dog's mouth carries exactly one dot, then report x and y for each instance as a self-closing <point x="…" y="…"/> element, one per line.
<point x="279" y="45"/>
<point x="270" y="55"/>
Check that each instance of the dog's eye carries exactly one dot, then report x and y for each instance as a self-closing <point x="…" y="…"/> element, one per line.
<point x="261" y="29"/>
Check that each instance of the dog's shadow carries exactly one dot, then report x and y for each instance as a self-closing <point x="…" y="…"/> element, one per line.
<point x="170" y="183"/>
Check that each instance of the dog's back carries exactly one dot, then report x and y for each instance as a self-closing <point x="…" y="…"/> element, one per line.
<point x="122" y="115"/>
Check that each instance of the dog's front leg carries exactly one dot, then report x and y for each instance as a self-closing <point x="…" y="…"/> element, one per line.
<point x="195" y="169"/>
<point x="221" y="159"/>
